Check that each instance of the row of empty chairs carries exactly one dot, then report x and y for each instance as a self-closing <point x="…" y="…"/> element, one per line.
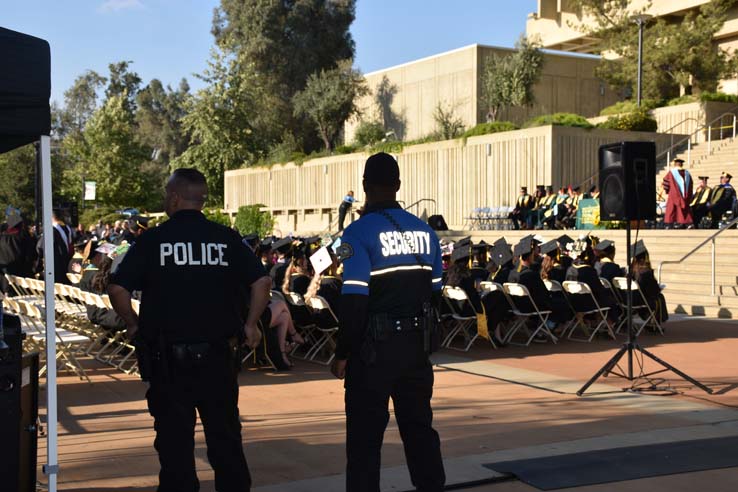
<point x="533" y="323"/>
<point x="489" y="218"/>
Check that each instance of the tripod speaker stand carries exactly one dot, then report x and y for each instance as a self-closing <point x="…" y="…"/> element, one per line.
<point x="627" y="182"/>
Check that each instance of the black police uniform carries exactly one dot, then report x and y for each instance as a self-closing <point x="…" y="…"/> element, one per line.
<point x="189" y="332"/>
<point x="392" y="270"/>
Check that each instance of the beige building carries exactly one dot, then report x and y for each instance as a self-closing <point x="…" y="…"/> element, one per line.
<point x="560" y="27"/>
<point x="404" y="97"/>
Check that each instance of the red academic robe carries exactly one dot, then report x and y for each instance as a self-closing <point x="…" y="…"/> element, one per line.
<point x="678" y="186"/>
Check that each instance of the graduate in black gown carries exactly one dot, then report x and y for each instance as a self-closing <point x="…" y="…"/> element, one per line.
<point x="644" y="275"/>
<point x="606" y="266"/>
<point x="583" y="271"/>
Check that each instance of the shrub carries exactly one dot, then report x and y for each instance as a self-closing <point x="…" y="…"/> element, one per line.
<point x="251" y="220"/>
<point x="345" y="149"/>
<point x="368" y="133"/>
<point x="492" y="127"/>
<point x="563" y="119"/>
<point x="718" y="97"/>
<point x="448" y="124"/>
<point x="682" y="100"/>
<point x="217" y="216"/>
<point x="630" y="106"/>
<point x="91" y="216"/>
<point x="636" y="121"/>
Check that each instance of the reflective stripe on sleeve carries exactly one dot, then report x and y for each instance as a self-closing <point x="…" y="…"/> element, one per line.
<point x="401" y="268"/>
<point x="356" y="282"/>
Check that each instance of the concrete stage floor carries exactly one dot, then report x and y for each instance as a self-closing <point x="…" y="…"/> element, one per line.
<point x="490" y="405"/>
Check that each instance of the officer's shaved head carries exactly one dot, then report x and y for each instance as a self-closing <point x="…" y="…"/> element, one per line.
<point x="186" y="189"/>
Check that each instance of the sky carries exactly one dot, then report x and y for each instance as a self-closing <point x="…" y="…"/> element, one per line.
<point x="170" y="39"/>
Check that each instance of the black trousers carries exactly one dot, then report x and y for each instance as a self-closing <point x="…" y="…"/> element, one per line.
<point x="211" y="389"/>
<point x="402" y="372"/>
<point x="342" y="211"/>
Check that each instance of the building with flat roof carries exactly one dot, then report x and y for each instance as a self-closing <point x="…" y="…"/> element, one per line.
<point x="404" y="97"/>
<point x="560" y="26"/>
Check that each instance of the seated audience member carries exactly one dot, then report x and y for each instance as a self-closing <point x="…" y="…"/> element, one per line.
<point x="571" y="205"/>
<point x="557" y="211"/>
<point x="95" y="279"/>
<point x="538" y="202"/>
<point x="531" y="279"/>
<point x="501" y="261"/>
<point x="564" y="242"/>
<point x="583" y="271"/>
<point x="521" y="212"/>
<point x="700" y="204"/>
<point x="460" y="275"/>
<point x="722" y="199"/>
<point x="644" y="275"/>
<point x="606" y="266"/>
<point x="283" y="249"/>
<point x="265" y="254"/>
<point x="327" y="285"/>
<point x="298" y="275"/>
<point x="551" y="268"/>
<point x="480" y="259"/>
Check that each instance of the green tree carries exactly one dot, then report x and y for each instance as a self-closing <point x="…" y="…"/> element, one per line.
<point x="329" y="99"/>
<point x="123" y="83"/>
<point x="17" y="170"/>
<point x="369" y="133"/>
<point x="286" y="41"/>
<point x="159" y="119"/>
<point x="676" y="52"/>
<point x="251" y="220"/>
<point x="508" y="80"/>
<point x="226" y="122"/>
<point x="448" y="124"/>
<point x="109" y="153"/>
<point x="80" y="101"/>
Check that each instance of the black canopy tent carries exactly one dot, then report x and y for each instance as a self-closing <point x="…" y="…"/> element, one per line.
<point x="25" y="117"/>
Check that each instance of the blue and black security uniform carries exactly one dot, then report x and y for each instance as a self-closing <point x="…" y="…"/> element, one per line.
<point x="392" y="273"/>
<point x="194" y="276"/>
<point x="343" y="209"/>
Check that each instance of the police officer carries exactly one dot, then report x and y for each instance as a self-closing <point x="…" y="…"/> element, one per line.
<point x="392" y="279"/>
<point x="187" y="336"/>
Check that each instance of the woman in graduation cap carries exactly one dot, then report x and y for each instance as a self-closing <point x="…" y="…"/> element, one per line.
<point x="551" y="268"/>
<point x="299" y="272"/>
<point x="583" y="271"/>
<point x="606" y="266"/>
<point x="643" y="274"/>
<point x="460" y="275"/>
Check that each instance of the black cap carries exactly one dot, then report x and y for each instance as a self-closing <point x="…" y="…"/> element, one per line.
<point x="577" y="188"/>
<point x="549" y="188"/>
<point x="604" y="245"/>
<point x="523" y="188"/>
<point x="550" y="247"/>
<point x="501" y="253"/>
<point x="678" y="161"/>
<point x="523" y="248"/>
<point x="463" y="242"/>
<point x="704" y="177"/>
<point x="139" y="222"/>
<point x="461" y="252"/>
<point x="541" y="187"/>
<point x="266" y="244"/>
<point x="251" y="240"/>
<point x="480" y="247"/>
<point x="638" y="249"/>
<point x="282" y="245"/>
<point x="381" y="169"/>
<point x="564" y="240"/>
<point x="531" y="239"/>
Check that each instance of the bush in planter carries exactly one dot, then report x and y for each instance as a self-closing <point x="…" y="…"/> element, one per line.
<point x="487" y="128"/>
<point x="636" y="121"/>
<point x="630" y="106"/>
<point x="718" y="97"/>
<point x="369" y="133"/>
<point x="562" y="119"/>
<point x="251" y="220"/>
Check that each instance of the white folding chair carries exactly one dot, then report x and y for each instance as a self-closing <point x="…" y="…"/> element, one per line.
<point x="327" y="330"/>
<point x="464" y="325"/>
<point x="599" y="313"/>
<point x="620" y="285"/>
<point x="519" y="295"/>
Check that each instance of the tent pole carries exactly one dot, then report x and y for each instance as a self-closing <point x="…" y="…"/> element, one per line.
<point x="51" y="468"/>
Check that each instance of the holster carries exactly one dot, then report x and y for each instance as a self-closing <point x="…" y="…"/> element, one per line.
<point x="145" y="357"/>
<point x="382" y="326"/>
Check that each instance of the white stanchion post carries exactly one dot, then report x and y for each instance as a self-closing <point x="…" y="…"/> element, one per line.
<point x="51" y="468"/>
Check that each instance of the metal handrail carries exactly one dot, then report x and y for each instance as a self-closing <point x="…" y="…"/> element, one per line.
<point x="710" y="239"/>
<point x="687" y="139"/>
<point x="418" y="202"/>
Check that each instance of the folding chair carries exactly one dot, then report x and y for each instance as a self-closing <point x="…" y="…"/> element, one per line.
<point x="555" y="287"/>
<point x="639" y="303"/>
<point x="303" y="320"/>
<point x="464" y="325"/>
<point x="519" y="295"/>
<point x="327" y="327"/>
<point x="573" y="288"/>
<point x="74" y="277"/>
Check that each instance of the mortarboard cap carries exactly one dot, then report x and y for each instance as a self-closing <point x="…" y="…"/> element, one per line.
<point x="678" y="161"/>
<point x="726" y="175"/>
<point x="105" y="248"/>
<point x="282" y="245"/>
<point x="501" y="253"/>
<point x="605" y="244"/>
<point x="549" y="247"/>
<point x="523" y="248"/>
<point x="381" y="169"/>
<point x="480" y="247"/>
<point x="704" y="177"/>
<point x="266" y="244"/>
<point x="541" y="187"/>
<point x="564" y="240"/>
<point x="461" y="252"/>
<point x="139" y="222"/>
<point x="638" y="249"/>
<point x="549" y="189"/>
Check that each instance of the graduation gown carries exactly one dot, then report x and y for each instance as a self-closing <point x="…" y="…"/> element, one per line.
<point x="678" y="186"/>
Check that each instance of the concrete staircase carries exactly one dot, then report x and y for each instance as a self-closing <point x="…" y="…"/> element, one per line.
<point x="688" y="284"/>
<point x="722" y="156"/>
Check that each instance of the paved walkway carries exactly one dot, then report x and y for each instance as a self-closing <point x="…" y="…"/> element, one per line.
<point x="489" y="405"/>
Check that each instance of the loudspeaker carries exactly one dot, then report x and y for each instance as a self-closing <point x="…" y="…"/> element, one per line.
<point x="18" y="411"/>
<point x="628" y="181"/>
<point x="437" y="223"/>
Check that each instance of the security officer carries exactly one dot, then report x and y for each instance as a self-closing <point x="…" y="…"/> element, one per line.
<point x="187" y="336"/>
<point x="391" y="289"/>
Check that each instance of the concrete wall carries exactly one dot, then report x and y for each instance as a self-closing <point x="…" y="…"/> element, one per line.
<point x="453" y="79"/>
<point x="486" y="171"/>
